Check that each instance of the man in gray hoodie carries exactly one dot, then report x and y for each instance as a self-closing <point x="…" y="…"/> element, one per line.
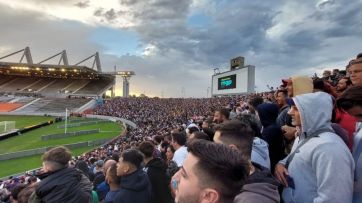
<point x="320" y="166"/>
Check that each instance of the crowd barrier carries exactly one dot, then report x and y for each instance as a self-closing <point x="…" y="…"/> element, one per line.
<point x="69" y="134"/>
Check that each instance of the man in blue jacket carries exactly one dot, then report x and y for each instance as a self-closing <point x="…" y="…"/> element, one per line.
<point x="135" y="185"/>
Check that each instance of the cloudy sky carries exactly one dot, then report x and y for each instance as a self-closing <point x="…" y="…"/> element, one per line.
<point x="176" y="44"/>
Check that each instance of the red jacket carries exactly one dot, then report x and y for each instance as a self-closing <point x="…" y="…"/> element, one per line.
<point x="347" y="122"/>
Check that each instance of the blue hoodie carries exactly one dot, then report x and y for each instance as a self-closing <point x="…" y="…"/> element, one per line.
<point x="322" y="169"/>
<point x="272" y="132"/>
<point x="135" y="187"/>
<point x="260" y="153"/>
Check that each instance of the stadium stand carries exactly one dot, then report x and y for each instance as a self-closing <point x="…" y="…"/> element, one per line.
<point x="94" y="86"/>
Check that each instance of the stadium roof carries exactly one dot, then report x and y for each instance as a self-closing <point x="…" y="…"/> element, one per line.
<point x="48" y="70"/>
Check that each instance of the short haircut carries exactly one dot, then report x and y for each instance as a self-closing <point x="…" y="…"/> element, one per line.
<point x="158" y="139"/>
<point x="192" y="129"/>
<point x="350" y="98"/>
<point x="133" y="157"/>
<point x="354" y="61"/>
<point x="112" y="172"/>
<point x="256" y="101"/>
<point x="201" y="136"/>
<point x="179" y="138"/>
<point x="283" y="91"/>
<point x="147" y="149"/>
<point x="16" y="190"/>
<point x="210" y="132"/>
<point x="224" y="112"/>
<point x="219" y="167"/>
<point x="24" y="194"/>
<point x="171" y="148"/>
<point x="115" y="156"/>
<point x="348" y="80"/>
<point x="253" y="122"/>
<point x="238" y="133"/>
<point x="58" y="157"/>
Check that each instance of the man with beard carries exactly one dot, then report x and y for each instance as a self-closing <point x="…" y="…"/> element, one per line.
<point x="342" y="85"/>
<point x="211" y="173"/>
<point x="221" y="115"/>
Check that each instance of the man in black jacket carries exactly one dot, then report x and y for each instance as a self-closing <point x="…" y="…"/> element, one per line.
<point x="156" y="171"/>
<point x="60" y="183"/>
<point x="135" y="185"/>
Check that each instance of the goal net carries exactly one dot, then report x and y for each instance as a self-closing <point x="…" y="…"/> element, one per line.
<point x="7" y="126"/>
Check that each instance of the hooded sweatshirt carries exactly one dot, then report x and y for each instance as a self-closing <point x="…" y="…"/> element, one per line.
<point x="271" y="132"/>
<point x="156" y="171"/>
<point x="261" y="186"/>
<point x="135" y="187"/>
<point x="322" y="169"/>
<point x="260" y="153"/>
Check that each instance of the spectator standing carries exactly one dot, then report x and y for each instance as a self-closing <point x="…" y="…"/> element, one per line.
<point x="60" y="183"/>
<point x="212" y="173"/>
<point x="178" y="142"/>
<point x="260" y="186"/>
<point x="351" y="102"/>
<point x="271" y="132"/>
<point x="317" y="156"/>
<point x="156" y="171"/>
<point x="135" y="185"/>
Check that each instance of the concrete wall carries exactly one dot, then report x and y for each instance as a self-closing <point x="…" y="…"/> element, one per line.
<point x="114" y="119"/>
<point x="71" y="125"/>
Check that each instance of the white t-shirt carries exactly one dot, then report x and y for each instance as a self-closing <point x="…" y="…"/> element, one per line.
<point x="180" y="156"/>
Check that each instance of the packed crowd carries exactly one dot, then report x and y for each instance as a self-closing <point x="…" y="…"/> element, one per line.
<point x="299" y="143"/>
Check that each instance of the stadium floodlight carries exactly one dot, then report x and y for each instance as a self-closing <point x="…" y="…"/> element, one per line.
<point x="126" y="75"/>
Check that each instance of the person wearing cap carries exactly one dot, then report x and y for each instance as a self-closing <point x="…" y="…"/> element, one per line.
<point x="59" y="182"/>
<point x="135" y="185"/>
<point x="351" y="102"/>
<point x="312" y="172"/>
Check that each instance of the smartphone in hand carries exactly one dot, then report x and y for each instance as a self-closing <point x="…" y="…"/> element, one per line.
<point x="290" y="181"/>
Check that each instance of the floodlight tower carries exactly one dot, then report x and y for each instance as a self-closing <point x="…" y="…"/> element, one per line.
<point x="126" y="75"/>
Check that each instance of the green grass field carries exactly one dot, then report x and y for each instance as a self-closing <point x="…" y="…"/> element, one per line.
<point x="19" y="165"/>
<point x="32" y="140"/>
<point x="23" y="121"/>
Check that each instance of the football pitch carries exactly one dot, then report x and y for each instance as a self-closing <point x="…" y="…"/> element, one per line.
<point x="32" y="140"/>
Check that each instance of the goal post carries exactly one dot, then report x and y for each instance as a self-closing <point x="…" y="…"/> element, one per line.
<point x="6" y="126"/>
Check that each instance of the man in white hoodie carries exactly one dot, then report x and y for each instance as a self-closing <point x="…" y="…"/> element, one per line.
<point x="320" y="167"/>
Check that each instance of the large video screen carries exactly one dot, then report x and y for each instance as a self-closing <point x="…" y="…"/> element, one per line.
<point x="227" y="82"/>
